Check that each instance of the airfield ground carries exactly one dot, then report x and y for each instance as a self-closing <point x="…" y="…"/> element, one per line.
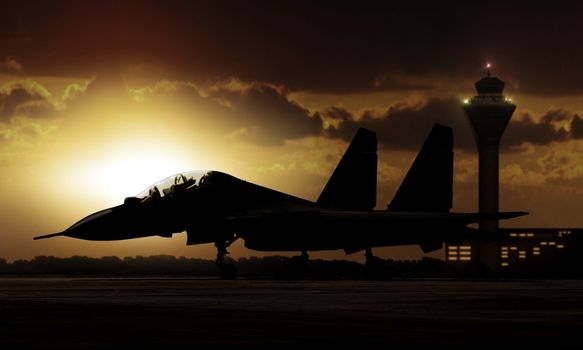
<point x="73" y="313"/>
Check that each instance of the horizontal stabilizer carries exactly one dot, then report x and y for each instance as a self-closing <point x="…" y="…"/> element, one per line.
<point x="487" y="236"/>
<point x="49" y="236"/>
<point x="501" y="215"/>
<point x="429" y="247"/>
<point x="542" y="230"/>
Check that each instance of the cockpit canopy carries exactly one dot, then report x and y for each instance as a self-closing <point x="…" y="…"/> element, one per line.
<point x="175" y="184"/>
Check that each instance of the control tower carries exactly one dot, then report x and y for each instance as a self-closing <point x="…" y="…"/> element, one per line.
<point x="489" y="113"/>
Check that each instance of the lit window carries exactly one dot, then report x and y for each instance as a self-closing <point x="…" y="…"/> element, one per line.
<point x="544" y="243"/>
<point x="560" y="246"/>
<point x="504" y="264"/>
<point x="513" y="248"/>
<point x="522" y="256"/>
<point x="530" y="234"/>
<point x="504" y="256"/>
<point x="452" y="258"/>
<point x="452" y="247"/>
<point x="466" y="253"/>
<point x="513" y="235"/>
<point x="504" y="248"/>
<point x="522" y="235"/>
<point x="465" y="258"/>
<point x="536" y="248"/>
<point x="552" y="243"/>
<point x="536" y="252"/>
<point x="465" y="247"/>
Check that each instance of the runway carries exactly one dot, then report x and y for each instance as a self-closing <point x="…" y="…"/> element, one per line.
<point x="73" y="313"/>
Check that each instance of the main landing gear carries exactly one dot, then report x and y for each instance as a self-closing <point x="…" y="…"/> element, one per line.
<point x="296" y="266"/>
<point x="228" y="271"/>
<point x="374" y="266"/>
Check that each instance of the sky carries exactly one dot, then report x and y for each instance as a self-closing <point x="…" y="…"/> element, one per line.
<point x="100" y="99"/>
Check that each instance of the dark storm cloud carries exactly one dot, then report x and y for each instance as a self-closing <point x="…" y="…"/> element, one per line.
<point x="405" y="127"/>
<point x="10" y="65"/>
<point x="333" y="46"/>
<point x="21" y="100"/>
<point x="269" y="116"/>
<point x="577" y="127"/>
<point x="263" y="114"/>
<point x="256" y="112"/>
<point x="525" y="130"/>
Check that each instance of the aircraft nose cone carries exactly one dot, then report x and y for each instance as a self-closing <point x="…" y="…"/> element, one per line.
<point x="99" y="226"/>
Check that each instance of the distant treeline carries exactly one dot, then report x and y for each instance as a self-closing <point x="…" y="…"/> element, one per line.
<point x="270" y="266"/>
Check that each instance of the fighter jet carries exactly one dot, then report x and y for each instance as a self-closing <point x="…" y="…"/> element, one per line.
<point x="215" y="207"/>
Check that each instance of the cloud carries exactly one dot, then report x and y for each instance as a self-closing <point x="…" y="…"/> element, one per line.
<point x="554" y="169"/>
<point x="553" y="127"/>
<point x="577" y="127"/>
<point x="252" y="112"/>
<point x="10" y="65"/>
<point x="74" y="92"/>
<point x="306" y="45"/>
<point x="404" y="126"/>
<point x="271" y="117"/>
<point x="264" y="114"/>
<point x="21" y="134"/>
<point x="25" y="98"/>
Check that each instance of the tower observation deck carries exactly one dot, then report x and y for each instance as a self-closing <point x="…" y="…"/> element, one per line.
<point x="489" y="113"/>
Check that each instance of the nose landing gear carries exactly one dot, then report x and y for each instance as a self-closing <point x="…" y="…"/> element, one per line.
<point x="228" y="271"/>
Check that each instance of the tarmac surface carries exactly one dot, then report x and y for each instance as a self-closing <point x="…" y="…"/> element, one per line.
<point x="74" y="313"/>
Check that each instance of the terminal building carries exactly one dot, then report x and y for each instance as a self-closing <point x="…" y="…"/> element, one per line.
<point x="547" y="252"/>
<point x="532" y="251"/>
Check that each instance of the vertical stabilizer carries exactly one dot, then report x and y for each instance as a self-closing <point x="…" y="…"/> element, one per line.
<point x="428" y="186"/>
<point x="353" y="185"/>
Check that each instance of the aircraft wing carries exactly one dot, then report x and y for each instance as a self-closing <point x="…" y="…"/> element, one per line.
<point x="486" y="236"/>
<point x="541" y="230"/>
<point x="352" y="231"/>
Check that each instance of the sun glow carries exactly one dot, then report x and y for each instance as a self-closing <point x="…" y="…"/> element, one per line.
<point x="130" y="172"/>
<point x="126" y="169"/>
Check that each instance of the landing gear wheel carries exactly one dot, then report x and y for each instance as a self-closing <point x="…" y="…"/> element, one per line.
<point x="375" y="267"/>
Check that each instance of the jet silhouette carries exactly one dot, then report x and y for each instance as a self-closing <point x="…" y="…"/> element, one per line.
<point x="214" y="207"/>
